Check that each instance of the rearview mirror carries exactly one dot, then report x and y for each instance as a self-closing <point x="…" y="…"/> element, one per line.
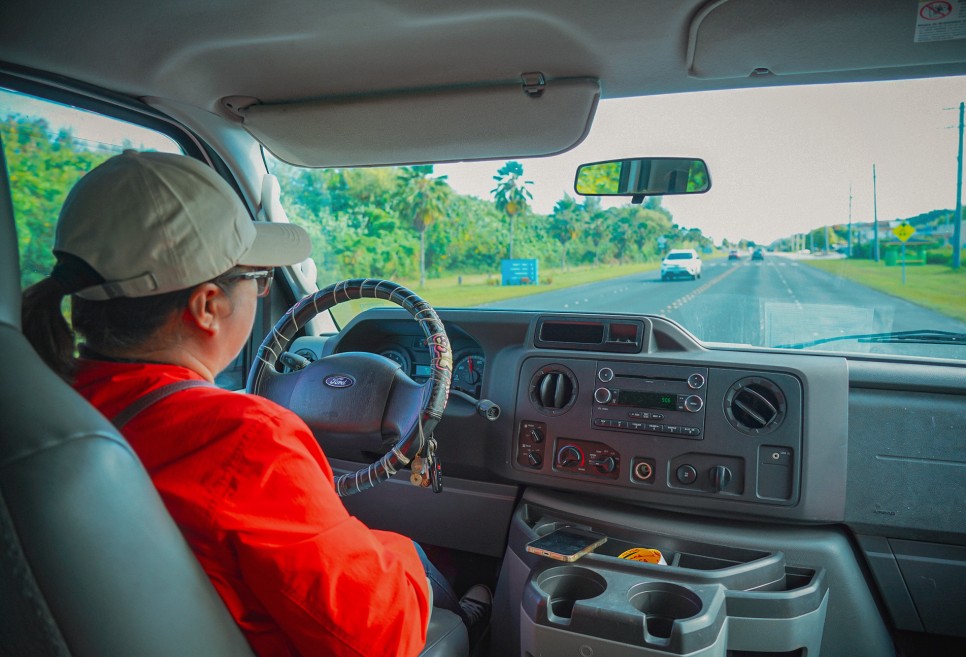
<point x="643" y="176"/>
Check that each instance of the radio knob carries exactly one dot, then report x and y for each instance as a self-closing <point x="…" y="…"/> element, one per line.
<point x="605" y="374"/>
<point x="603" y="395"/>
<point x="693" y="403"/>
<point x="696" y="381"/>
<point x="569" y="456"/>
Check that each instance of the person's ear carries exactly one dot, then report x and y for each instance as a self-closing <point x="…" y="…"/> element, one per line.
<point x="207" y="307"/>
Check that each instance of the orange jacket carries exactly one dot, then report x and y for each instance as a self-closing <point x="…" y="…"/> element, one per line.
<point x="253" y="494"/>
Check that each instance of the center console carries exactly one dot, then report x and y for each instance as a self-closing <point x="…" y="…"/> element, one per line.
<point x="712" y="432"/>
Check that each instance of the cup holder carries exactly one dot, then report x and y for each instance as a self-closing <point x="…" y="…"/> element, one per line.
<point x="662" y="604"/>
<point x="566" y="585"/>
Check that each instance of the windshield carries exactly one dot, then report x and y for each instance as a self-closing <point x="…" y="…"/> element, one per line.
<point x="831" y="217"/>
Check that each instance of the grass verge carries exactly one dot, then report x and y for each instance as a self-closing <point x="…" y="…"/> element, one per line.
<point x="934" y="286"/>
<point x="479" y="289"/>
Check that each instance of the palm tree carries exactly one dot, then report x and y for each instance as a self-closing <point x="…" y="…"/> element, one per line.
<point x="594" y="228"/>
<point x="567" y="216"/>
<point x="423" y="200"/>
<point x="511" y="193"/>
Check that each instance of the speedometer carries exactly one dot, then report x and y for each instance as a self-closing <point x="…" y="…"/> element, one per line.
<point x="468" y="374"/>
<point x="398" y="356"/>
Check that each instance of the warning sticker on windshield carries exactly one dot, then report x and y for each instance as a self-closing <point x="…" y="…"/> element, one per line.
<point x="940" y="20"/>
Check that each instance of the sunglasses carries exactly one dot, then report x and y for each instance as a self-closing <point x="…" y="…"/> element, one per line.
<point x="262" y="277"/>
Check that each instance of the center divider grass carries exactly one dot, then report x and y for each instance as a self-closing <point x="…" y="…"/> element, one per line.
<point x="934" y="286"/>
<point x="479" y="289"/>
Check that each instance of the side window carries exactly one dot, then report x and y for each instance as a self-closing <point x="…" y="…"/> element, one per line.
<point x="48" y="147"/>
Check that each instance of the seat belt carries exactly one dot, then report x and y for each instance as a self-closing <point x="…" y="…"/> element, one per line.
<point x="148" y="400"/>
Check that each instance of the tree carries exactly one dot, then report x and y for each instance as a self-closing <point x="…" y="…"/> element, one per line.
<point x="563" y="225"/>
<point x="423" y="199"/>
<point x="43" y="167"/>
<point x="594" y="228"/>
<point x="511" y="193"/>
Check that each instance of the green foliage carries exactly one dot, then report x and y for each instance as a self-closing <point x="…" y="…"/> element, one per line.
<point x="423" y="200"/>
<point x="940" y="256"/>
<point x="43" y="167"/>
<point x="565" y="223"/>
<point x="599" y="178"/>
<point x="369" y="221"/>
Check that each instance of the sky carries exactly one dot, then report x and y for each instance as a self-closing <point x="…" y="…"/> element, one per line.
<point x="782" y="160"/>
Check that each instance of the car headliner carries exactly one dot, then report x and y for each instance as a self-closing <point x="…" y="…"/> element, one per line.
<point x="200" y="52"/>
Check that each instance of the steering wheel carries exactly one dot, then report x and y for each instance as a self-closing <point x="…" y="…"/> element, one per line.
<point x="360" y="397"/>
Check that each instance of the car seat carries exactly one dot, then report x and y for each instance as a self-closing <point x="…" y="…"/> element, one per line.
<point x="92" y="565"/>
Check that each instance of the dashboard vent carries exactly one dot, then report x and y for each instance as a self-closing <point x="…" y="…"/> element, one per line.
<point x="755" y="406"/>
<point x="553" y="389"/>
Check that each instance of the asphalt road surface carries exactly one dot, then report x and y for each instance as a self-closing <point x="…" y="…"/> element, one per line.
<point x="774" y="302"/>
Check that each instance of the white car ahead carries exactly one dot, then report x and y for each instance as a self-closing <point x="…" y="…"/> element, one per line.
<point x="680" y="263"/>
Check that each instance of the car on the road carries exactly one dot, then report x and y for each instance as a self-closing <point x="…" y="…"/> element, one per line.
<point x="788" y="439"/>
<point x="757" y="254"/>
<point x="681" y="263"/>
<point x="733" y="255"/>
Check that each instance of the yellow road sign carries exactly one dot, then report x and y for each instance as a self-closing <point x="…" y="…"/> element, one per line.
<point x="903" y="231"/>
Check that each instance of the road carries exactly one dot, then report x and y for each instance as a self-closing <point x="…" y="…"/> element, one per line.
<point x="777" y="301"/>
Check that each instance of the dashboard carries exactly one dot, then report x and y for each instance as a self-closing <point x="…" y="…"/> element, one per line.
<point x="602" y="413"/>
<point x="631" y="408"/>
<point x="635" y="409"/>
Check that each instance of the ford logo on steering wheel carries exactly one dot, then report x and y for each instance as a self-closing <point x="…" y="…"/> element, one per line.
<point x="339" y="381"/>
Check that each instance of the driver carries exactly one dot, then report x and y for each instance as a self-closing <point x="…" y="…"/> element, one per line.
<point x="164" y="268"/>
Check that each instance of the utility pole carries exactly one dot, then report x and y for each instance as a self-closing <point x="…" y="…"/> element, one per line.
<point x="875" y="220"/>
<point x="958" y="224"/>
<point x="850" y="220"/>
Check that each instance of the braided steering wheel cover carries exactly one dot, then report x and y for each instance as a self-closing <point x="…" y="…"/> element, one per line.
<point x="441" y="365"/>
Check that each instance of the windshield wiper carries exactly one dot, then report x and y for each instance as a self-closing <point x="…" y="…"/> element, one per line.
<point x="923" y="336"/>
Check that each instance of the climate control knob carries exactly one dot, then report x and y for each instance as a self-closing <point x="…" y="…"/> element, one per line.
<point x="603" y="395"/>
<point x="606" y="465"/>
<point x="569" y="456"/>
<point x="720" y="477"/>
<point x="535" y="459"/>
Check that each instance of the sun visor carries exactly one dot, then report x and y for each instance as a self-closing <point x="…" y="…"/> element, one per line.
<point x="472" y="123"/>
<point x="741" y="38"/>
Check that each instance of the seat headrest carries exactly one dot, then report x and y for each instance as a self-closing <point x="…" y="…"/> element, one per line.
<point x="9" y="254"/>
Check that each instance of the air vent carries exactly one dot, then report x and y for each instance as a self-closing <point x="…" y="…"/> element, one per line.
<point x="553" y="389"/>
<point x="755" y="406"/>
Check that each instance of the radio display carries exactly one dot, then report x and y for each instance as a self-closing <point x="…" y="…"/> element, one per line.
<point x="642" y="399"/>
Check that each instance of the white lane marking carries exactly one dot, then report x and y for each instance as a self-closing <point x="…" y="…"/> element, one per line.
<point x="677" y="303"/>
<point x="788" y="288"/>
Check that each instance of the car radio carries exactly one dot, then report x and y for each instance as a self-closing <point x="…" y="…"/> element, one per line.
<point x="661" y="399"/>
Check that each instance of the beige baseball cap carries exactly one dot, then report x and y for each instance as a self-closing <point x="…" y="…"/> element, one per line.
<point x="150" y="223"/>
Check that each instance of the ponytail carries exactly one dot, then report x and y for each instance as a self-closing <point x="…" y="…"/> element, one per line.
<point x="45" y="327"/>
<point x="41" y="316"/>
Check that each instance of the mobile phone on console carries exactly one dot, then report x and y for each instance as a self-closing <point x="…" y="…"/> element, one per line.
<point x="566" y="544"/>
